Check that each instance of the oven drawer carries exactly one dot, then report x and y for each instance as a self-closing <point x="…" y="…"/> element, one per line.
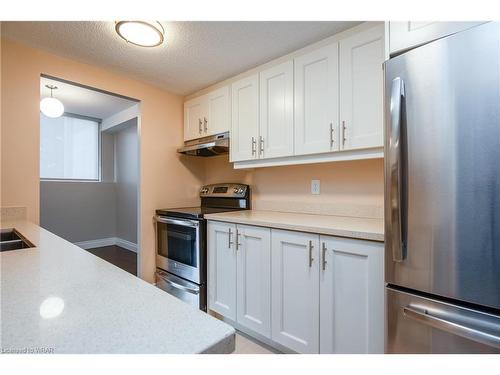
<point x="191" y="293"/>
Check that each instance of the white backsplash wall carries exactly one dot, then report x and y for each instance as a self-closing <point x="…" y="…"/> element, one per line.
<point x="351" y="188"/>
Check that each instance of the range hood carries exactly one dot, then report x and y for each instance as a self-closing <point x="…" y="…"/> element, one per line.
<point x="207" y="146"/>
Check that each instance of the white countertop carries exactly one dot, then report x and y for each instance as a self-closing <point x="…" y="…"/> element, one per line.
<point x="342" y="226"/>
<point x="106" y="309"/>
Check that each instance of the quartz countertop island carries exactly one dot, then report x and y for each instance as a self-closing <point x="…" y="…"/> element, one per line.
<point x="59" y="298"/>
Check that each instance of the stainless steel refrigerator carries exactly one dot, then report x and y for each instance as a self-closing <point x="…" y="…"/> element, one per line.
<point x="442" y="195"/>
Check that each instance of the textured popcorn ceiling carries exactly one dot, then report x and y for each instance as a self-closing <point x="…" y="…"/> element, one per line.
<point x="195" y="55"/>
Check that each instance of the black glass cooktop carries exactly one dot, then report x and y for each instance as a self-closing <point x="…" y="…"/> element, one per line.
<point x="192" y="212"/>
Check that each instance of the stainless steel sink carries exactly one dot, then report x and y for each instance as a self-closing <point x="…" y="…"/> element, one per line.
<point x="8" y="235"/>
<point x="11" y="239"/>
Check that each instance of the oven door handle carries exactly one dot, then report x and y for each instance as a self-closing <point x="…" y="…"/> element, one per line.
<point x="182" y="222"/>
<point x="186" y="288"/>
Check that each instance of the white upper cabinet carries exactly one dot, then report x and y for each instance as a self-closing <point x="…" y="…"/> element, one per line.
<point x="317" y="101"/>
<point x="276" y="111"/>
<point x="222" y="268"/>
<point x="361" y="89"/>
<point x="254" y="278"/>
<point x="295" y="290"/>
<point x="321" y="104"/>
<point x="218" y="111"/>
<point x="405" y="35"/>
<point x="193" y="118"/>
<point x="207" y="114"/>
<point x="245" y="119"/>
<point x="351" y="296"/>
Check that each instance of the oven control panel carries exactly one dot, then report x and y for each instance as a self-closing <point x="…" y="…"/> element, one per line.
<point x="225" y="190"/>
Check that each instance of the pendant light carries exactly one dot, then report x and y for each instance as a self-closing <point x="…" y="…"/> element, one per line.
<point x="51" y="107"/>
<point x="141" y="33"/>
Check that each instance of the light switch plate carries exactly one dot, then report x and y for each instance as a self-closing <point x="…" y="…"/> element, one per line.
<point x="315" y="187"/>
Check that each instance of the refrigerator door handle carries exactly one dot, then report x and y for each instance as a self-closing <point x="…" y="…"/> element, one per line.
<point x="395" y="140"/>
<point x="452" y="327"/>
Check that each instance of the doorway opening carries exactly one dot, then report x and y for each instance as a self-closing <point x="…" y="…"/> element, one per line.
<point x="89" y="171"/>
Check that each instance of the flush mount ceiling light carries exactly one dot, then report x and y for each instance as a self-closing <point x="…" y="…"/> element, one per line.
<point x="141" y="33"/>
<point x="51" y="107"/>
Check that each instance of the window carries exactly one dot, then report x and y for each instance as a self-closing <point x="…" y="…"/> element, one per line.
<point x="69" y="148"/>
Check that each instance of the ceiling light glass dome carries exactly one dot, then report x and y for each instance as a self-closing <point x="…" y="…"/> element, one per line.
<point x="50" y="106"/>
<point x="141" y="33"/>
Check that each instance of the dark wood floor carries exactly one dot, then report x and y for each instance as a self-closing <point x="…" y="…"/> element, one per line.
<point x="120" y="257"/>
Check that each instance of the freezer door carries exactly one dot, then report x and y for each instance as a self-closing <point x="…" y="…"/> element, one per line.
<point x="442" y="167"/>
<point x="426" y="326"/>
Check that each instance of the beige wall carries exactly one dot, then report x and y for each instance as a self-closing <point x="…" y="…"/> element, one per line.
<point x="352" y="188"/>
<point x="167" y="179"/>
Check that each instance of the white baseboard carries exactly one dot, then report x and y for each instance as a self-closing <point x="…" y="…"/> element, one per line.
<point x="102" y="242"/>
<point x="92" y="244"/>
<point x="126" y="244"/>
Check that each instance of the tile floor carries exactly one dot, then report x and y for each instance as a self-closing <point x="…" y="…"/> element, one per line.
<point x="246" y="345"/>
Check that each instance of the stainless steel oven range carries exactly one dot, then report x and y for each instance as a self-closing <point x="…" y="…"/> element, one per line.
<point x="181" y="250"/>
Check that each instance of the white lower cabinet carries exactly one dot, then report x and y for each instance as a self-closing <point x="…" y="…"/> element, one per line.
<point x="239" y="274"/>
<point x="351" y="296"/>
<point x="222" y="269"/>
<point x="253" y="286"/>
<point x="306" y="292"/>
<point x="295" y="290"/>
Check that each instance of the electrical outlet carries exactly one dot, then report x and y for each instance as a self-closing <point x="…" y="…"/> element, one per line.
<point x="315" y="187"/>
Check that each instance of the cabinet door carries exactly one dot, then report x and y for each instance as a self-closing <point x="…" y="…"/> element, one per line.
<point x="317" y="101"/>
<point x="405" y="35"/>
<point x="254" y="278"/>
<point x="245" y="118"/>
<point x="193" y="118"/>
<point x="295" y="290"/>
<point x="361" y="89"/>
<point x="352" y="296"/>
<point x="276" y="111"/>
<point x="218" y="111"/>
<point x="222" y="268"/>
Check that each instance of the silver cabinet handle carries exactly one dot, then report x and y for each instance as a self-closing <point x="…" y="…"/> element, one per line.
<point x="254" y="146"/>
<point x="238" y="244"/>
<point x="455" y="328"/>
<point x="310" y="254"/>
<point x="199" y="126"/>
<point x="323" y="262"/>
<point x="395" y="173"/>
<point x="229" y="238"/>
<point x="261" y="145"/>
<point x="344" y="138"/>
<point x="205" y="124"/>
<point x="331" y="134"/>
